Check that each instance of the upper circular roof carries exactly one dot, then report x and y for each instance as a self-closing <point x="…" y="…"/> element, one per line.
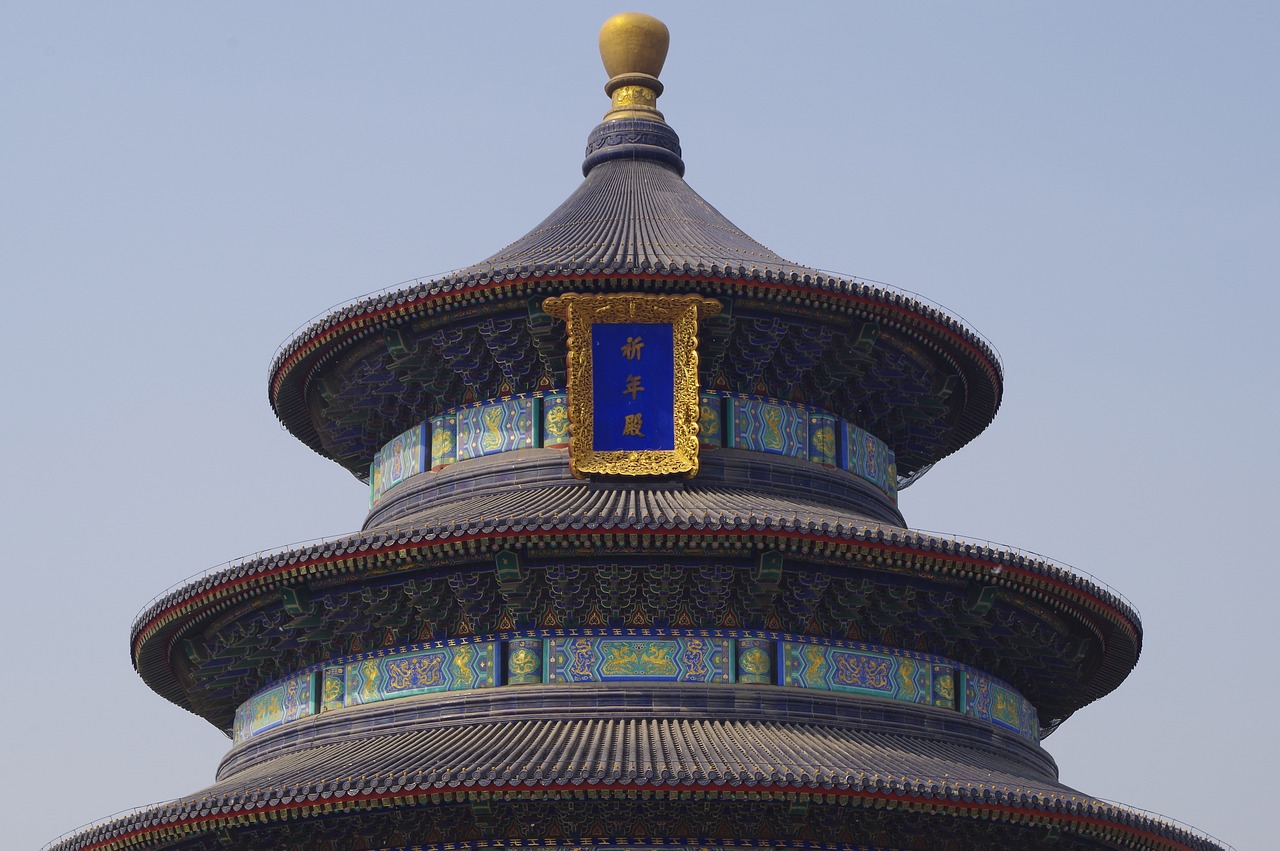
<point x="905" y="371"/>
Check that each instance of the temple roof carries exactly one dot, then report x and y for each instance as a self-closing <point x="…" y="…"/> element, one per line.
<point x="457" y="533"/>
<point x="641" y="743"/>
<point x="914" y="376"/>
<point x="636" y="213"/>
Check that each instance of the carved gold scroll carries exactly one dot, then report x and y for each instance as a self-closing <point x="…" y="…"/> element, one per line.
<point x="627" y="416"/>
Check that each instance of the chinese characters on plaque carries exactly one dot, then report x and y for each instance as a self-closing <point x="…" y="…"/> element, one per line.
<point x="633" y="382"/>
<point x="633" y="386"/>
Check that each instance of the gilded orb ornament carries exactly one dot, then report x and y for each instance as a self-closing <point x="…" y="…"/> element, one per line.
<point x="634" y="42"/>
<point x="633" y="47"/>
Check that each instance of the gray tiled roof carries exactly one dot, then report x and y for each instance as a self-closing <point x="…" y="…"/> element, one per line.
<point x="723" y="489"/>
<point x="773" y="495"/>
<point x="651" y="751"/>
<point x="635" y="215"/>
<point x="575" y="508"/>
<point x="676" y="751"/>
<point x="634" y="224"/>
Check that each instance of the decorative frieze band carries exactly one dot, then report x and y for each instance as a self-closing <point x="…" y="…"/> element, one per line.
<point x="638" y="655"/>
<point x="732" y="420"/>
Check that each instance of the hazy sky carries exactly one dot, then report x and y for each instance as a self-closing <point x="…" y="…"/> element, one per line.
<point x="1092" y="185"/>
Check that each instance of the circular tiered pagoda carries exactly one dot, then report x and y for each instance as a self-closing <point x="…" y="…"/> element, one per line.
<point x="634" y="573"/>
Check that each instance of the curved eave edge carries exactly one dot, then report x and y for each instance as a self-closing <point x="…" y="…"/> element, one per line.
<point x="324" y="338"/>
<point x="407" y="298"/>
<point x="217" y="592"/>
<point x="1083" y="816"/>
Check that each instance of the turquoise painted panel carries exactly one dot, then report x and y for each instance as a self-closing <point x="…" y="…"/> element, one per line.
<point x="524" y="661"/>
<point x="450" y="668"/>
<point x="990" y="700"/>
<point x="444" y="440"/>
<point x="766" y="426"/>
<point x="914" y="678"/>
<point x="492" y="427"/>
<point x="555" y="421"/>
<point x="710" y="428"/>
<point x="266" y="710"/>
<point x="240" y="726"/>
<point x="823" y="439"/>
<point x="944" y="686"/>
<point x="755" y="660"/>
<point x="639" y="654"/>
<point x="859" y="671"/>
<point x="600" y="659"/>
<point x="866" y="455"/>
<point x="333" y="689"/>
<point x="404" y="455"/>
<point x="297" y="697"/>
<point x="287" y="701"/>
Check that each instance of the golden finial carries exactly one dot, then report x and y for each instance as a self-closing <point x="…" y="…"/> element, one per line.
<point x="633" y="47"/>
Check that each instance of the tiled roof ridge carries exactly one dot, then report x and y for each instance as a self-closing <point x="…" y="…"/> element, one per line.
<point x="382" y="541"/>
<point x="399" y="303"/>
<point x="961" y="735"/>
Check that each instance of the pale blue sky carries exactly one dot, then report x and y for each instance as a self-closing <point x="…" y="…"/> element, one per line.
<point x="1093" y="186"/>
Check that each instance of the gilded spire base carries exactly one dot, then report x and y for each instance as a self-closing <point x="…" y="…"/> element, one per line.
<point x="634" y="95"/>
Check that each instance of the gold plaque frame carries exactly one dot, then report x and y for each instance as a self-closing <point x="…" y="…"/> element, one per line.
<point x="581" y="311"/>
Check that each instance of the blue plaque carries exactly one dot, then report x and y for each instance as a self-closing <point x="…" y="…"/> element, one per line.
<point x="633" y="381"/>
<point x="633" y="386"/>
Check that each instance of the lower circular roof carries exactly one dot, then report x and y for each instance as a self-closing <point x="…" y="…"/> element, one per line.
<point x="636" y="744"/>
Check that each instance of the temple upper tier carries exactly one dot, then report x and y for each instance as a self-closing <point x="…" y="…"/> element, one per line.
<point x="900" y="370"/>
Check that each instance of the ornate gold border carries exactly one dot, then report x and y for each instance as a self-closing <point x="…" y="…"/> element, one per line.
<point x="582" y="310"/>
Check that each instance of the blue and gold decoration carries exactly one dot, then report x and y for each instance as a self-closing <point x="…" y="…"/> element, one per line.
<point x="633" y="381"/>
<point x="755" y="660"/>
<point x="769" y="426"/>
<point x="488" y="428"/>
<point x="444" y="440"/>
<point x="592" y="658"/>
<point x="752" y="423"/>
<point x="404" y="456"/>
<point x="824" y="443"/>
<point x="629" y="654"/>
<point x="284" y="702"/>
<point x="555" y="421"/>
<point x="524" y="661"/>
<point x="633" y="386"/>
<point x="876" y="671"/>
<point x="333" y="688"/>
<point x="710" y="428"/>
<point x="988" y="699"/>
<point x="944" y="687"/>
<point x="864" y="454"/>
<point x="457" y="667"/>
<point x="858" y="671"/>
